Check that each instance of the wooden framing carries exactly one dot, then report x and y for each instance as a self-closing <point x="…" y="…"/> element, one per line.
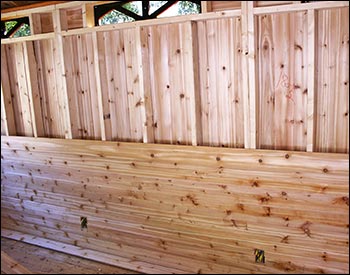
<point x="311" y="80"/>
<point x="196" y="82"/>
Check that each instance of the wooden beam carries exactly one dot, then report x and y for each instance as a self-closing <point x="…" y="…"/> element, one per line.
<point x="158" y="21"/>
<point x="311" y="79"/>
<point x="40" y="4"/>
<point x="35" y="37"/>
<point x="88" y="16"/>
<point x="206" y="6"/>
<point x="98" y="86"/>
<point x="62" y="88"/>
<point x="301" y="7"/>
<point x="29" y="88"/>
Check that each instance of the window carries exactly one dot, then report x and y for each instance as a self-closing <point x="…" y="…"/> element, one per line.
<point x="15" y="28"/>
<point x="128" y="11"/>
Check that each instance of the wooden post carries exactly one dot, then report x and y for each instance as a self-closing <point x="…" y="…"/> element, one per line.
<point x="61" y="67"/>
<point x="311" y="52"/>
<point x="248" y="75"/>
<point x="191" y="79"/>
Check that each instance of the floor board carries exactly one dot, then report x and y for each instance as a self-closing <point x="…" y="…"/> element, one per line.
<point x="46" y="261"/>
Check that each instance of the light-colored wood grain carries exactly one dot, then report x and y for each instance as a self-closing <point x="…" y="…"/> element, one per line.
<point x="60" y="74"/>
<point x="311" y="81"/>
<point x="47" y="261"/>
<point x="11" y="266"/>
<point x="283" y="86"/>
<point x="221" y="92"/>
<point x="4" y="125"/>
<point x="196" y="208"/>
<point x="332" y="104"/>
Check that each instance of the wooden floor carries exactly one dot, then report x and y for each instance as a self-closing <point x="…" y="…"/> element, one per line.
<point x="46" y="261"/>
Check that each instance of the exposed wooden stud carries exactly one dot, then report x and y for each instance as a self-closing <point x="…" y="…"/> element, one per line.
<point x="191" y="79"/>
<point x="28" y="73"/>
<point x="88" y="16"/>
<point x="62" y="84"/>
<point x="248" y="74"/>
<point x="98" y="85"/>
<point x="206" y="6"/>
<point x="146" y="128"/>
<point x="251" y="74"/>
<point x="311" y="80"/>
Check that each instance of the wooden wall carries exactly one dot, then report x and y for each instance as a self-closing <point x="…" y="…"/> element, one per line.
<point x="183" y="82"/>
<point x="170" y="208"/>
<point x="273" y="81"/>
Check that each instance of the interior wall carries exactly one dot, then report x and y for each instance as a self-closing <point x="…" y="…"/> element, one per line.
<point x="182" y="83"/>
<point x="170" y="208"/>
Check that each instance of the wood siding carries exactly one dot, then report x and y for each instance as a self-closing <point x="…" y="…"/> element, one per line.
<point x="198" y="209"/>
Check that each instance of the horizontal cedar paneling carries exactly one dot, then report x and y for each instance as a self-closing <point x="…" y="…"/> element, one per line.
<point x="198" y="209"/>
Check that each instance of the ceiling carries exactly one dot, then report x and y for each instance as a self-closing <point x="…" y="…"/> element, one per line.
<point x="21" y="4"/>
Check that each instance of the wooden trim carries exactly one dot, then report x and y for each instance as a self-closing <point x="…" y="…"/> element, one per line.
<point x="301" y="7"/>
<point x="311" y="54"/>
<point x="98" y="85"/>
<point x="145" y="126"/>
<point x="30" y="91"/>
<point x="3" y="113"/>
<point x="206" y="6"/>
<point x="191" y="81"/>
<point x="158" y="21"/>
<point x="245" y="86"/>
<point x="49" y="7"/>
<point x="60" y="62"/>
<point x="34" y="37"/>
<point x="251" y="74"/>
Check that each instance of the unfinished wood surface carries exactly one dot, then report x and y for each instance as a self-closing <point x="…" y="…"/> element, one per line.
<point x="11" y="266"/>
<point x="46" y="261"/>
<point x="50" y="119"/>
<point x="15" y="89"/>
<point x="221" y="93"/>
<point x="121" y="95"/>
<point x="82" y="87"/>
<point x="198" y="209"/>
<point x="283" y="90"/>
<point x="170" y="88"/>
<point x="332" y="104"/>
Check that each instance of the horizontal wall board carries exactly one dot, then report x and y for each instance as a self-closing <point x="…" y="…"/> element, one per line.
<point x="198" y="209"/>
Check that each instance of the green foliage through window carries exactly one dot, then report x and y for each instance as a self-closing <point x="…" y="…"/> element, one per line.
<point x="179" y="8"/>
<point x="23" y="30"/>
